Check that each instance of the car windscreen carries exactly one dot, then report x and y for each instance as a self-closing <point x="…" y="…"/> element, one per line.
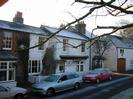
<point x="95" y="72"/>
<point x="52" y="78"/>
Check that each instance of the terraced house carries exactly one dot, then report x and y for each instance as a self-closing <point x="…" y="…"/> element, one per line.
<point x="18" y="62"/>
<point x="14" y="37"/>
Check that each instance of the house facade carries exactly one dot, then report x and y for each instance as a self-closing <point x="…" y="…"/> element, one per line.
<point x="69" y="57"/>
<point x="14" y="37"/>
<point x="119" y="57"/>
<point x="18" y="65"/>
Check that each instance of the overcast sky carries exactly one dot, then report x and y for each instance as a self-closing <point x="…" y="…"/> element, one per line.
<point x="50" y="12"/>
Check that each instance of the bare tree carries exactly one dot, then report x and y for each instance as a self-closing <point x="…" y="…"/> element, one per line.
<point x="49" y="63"/>
<point x="127" y="32"/>
<point x="100" y="46"/>
<point x="112" y="7"/>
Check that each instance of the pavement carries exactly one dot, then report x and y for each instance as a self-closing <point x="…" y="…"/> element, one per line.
<point x="126" y="94"/>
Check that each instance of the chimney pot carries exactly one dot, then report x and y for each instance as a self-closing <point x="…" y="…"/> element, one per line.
<point x="18" y="17"/>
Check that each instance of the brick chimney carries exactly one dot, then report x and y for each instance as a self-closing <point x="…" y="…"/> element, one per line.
<point x="81" y="27"/>
<point x="18" y="17"/>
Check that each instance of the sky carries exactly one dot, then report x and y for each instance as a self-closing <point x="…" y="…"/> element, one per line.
<point x="52" y="13"/>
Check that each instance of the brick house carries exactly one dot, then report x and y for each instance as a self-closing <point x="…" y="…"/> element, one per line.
<point x="13" y="37"/>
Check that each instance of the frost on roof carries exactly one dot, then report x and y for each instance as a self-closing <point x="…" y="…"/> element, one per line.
<point x="20" y="27"/>
<point x="65" y="33"/>
<point x="122" y="42"/>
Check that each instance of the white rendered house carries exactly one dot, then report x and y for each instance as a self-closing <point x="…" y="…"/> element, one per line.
<point x="120" y="55"/>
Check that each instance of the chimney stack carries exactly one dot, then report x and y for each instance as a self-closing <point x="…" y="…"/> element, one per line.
<point x="81" y="27"/>
<point x="18" y="17"/>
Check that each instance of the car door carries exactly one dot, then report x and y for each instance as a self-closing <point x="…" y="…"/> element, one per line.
<point x="105" y="75"/>
<point x="62" y="83"/>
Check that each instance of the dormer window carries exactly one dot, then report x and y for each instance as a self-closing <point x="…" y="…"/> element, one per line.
<point x="7" y="41"/>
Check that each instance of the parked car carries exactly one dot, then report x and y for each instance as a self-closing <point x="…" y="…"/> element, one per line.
<point x="57" y="82"/>
<point x="98" y="75"/>
<point x="12" y="92"/>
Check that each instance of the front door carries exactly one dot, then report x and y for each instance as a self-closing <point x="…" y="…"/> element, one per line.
<point x="121" y="65"/>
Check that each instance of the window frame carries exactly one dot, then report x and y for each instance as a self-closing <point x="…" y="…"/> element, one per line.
<point x="80" y="66"/>
<point x="7" y="70"/>
<point x="83" y="47"/>
<point x="65" y="44"/>
<point x="37" y="68"/>
<point x="40" y="40"/>
<point x="62" y="67"/>
<point x="7" y="40"/>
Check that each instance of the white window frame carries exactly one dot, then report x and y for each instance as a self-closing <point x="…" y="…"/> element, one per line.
<point x="8" y="69"/>
<point x="131" y="62"/>
<point x="7" y="41"/>
<point x="31" y="67"/>
<point x="83" y="47"/>
<point x="79" y="66"/>
<point x="65" y="45"/>
<point x="62" y="66"/>
<point x="40" y="40"/>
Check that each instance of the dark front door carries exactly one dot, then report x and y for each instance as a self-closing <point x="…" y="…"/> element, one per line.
<point x="121" y="65"/>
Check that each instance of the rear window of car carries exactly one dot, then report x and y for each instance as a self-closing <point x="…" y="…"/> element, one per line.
<point x="71" y="76"/>
<point x="52" y="78"/>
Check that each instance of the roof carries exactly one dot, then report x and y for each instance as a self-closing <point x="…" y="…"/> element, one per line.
<point x="7" y="56"/>
<point x="20" y="27"/>
<point x="122" y="42"/>
<point x="65" y="33"/>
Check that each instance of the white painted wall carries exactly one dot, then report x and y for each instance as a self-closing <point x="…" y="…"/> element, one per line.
<point x="35" y="53"/>
<point x="128" y="55"/>
<point x="70" y="66"/>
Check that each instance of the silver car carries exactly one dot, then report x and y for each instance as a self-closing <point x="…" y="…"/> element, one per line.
<point x="12" y="92"/>
<point x="57" y="82"/>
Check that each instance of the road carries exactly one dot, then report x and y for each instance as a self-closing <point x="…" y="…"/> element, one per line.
<point x="104" y="90"/>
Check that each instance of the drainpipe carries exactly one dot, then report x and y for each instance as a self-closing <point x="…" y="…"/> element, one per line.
<point x="91" y="53"/>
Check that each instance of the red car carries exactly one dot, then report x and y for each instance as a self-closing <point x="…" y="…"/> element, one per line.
<point x="98" y="75"/>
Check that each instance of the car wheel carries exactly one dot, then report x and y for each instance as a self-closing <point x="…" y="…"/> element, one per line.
<point x="19" y="96"/>
<point x="97" y="80"/>
<point x="110" y="78"/>
<point x="50" y="92"/>
<point x="76" y="85"/>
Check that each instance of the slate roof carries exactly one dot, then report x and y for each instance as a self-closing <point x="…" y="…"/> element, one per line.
<point x="65" y="33"/>
<point x="122" y="42"/>
<point x="20" y="27"/>
<point x="38" y="30"/>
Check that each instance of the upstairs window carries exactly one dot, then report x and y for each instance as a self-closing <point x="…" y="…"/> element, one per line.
<point x="7" y="40"/>
<point x="65" y="44"/>
<point x="41" y="39"/>
<point x="83" y="47"/>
